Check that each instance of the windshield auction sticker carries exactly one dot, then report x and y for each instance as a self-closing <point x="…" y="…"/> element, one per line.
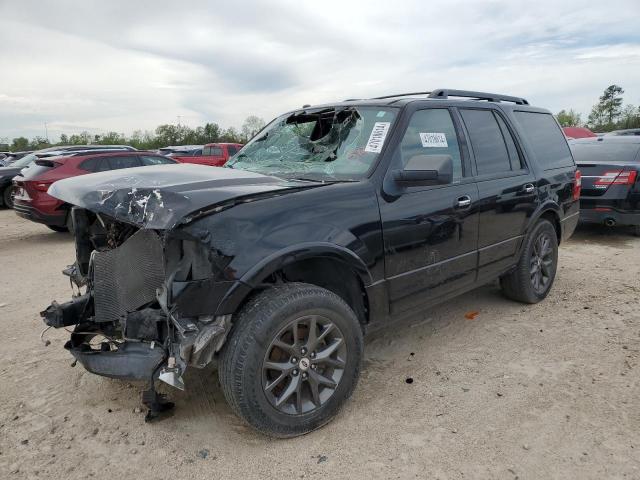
<point x="376" y="139"/>
<point x="433" y="140"/>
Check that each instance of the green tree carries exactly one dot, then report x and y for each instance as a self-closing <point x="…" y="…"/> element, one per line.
<point x="569" y="118"/>
<point x="20" y="143"/>
<point x="64" y="140"/>
<point x="608" y="109"/>
<point x="250" y="127"/>
<point x="630" y="117"/>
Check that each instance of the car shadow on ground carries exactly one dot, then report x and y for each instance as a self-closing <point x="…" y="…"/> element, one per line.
<point x="619" y="237"/>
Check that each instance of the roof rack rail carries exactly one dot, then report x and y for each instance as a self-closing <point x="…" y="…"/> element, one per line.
<point x="400" y="95"/>
<point x="444" y="93"/>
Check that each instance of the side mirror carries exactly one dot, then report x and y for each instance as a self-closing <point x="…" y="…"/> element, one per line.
<point x="423" y="170"/>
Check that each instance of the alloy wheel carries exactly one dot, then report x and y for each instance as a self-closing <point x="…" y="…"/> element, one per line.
<point x="541" y="263"/>
<point x="303" y="365"/>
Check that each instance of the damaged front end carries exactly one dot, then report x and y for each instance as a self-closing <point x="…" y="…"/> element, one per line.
<point x="138" y="312"/>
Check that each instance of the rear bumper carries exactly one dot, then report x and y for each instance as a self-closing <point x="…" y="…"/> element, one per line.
<point x="604" y="216"/>
<point x="30" y="213"/>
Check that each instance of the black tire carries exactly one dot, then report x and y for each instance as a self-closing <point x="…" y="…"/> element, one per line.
<point x="247" y="355"/>
<point x="533" y="277"/>
<point x="7" y="197"/>
<point x="68" y="226"/>
<point x="636" y="230"/>
<point x="58" y="229"/>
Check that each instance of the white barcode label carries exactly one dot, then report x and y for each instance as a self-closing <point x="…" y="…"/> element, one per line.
<point x="376" y="139"/>
<point x="433" y="140"/>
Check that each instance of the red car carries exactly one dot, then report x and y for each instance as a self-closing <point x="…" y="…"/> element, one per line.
<point x="31" y="199"/>
<point x="214" y="154"/>
<point x="577" y="132"/>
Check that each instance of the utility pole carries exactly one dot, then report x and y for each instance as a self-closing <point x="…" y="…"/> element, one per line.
<point x="179" y="118"/>
<point x="46" y="132"/>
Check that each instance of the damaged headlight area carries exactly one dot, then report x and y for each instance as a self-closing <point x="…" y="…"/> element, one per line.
<point x="138" y="311"/>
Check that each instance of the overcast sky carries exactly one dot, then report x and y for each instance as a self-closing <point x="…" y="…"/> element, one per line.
<point x="123" y="65"/>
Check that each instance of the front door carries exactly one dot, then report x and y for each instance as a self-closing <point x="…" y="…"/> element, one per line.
<point x="430" y="232"/>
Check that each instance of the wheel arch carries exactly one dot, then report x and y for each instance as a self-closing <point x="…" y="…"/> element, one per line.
<point x="326" y="265"/>
<point x="551" y="212"/>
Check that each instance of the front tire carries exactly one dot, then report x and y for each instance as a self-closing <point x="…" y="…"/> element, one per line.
<point x="292" y="360"/>
<point x="535" y="272"/>
<point x="7" y="197"/>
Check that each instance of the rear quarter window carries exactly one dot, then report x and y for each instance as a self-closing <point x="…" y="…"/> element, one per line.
<point x="546" y="139"/>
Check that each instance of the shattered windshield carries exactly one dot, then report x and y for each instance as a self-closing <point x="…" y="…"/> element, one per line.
<point x="322" y="144"/>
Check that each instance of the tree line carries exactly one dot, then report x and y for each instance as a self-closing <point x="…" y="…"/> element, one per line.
<point x="610" y="113"/>
<point x="162" y="136"/>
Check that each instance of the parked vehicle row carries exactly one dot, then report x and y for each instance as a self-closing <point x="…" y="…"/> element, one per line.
<point x="332" y="220"/>
<point x="31" y="200"/>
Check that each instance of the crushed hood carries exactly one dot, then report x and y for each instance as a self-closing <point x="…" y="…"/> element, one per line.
<point x="160" y="197"/>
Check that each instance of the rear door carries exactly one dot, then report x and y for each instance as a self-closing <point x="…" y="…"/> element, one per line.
<point x="430" y="232"/>
<point x="506" y="188"/>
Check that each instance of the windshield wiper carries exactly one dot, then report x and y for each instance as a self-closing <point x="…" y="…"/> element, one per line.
<point x="306" y="179"/>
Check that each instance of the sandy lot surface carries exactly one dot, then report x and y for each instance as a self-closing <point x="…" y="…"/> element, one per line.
<point x="544" y="391"/>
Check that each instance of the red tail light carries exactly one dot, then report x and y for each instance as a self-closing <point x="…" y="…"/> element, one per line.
<point x="616" y="177"/>
<point x="42" y="186"/>
<point x="577" y="186"/>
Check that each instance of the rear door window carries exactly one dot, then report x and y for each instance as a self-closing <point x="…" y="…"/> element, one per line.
<point x="490" y="148"/>
<point x="216" y="151"/>
<point x="547" y="141"/>
<point x="125" y="161"/>
<point x="96" y="164"/>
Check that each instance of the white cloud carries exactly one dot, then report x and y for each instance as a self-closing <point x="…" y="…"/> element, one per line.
<point x="122" y="66"/>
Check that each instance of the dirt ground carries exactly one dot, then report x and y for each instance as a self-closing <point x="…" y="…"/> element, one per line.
<point x="543" y="391"/>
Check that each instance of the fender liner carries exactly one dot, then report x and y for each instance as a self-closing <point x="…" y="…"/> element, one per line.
<point x="277" y="260"/>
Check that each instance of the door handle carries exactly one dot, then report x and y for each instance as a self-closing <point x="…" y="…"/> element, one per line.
<point x="463" y="202"/>
<point x="528" y="188"/>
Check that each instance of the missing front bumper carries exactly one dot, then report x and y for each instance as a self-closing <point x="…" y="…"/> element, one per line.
<point x="130" y="361"/>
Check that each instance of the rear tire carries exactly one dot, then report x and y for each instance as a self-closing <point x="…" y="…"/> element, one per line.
<point x="535" y="272"/>
<point x="58" y="229"/>
<point x="7" y="197"/>
<point x="292" y="359"/>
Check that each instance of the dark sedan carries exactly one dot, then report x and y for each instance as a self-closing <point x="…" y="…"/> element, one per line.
<point x="7" y="174"/>
<point x="610" y="167"/>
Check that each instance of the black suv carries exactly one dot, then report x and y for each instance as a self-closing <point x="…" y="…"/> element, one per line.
<point x="330" y="220"/>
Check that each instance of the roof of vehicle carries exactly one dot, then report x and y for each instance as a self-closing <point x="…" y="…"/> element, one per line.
<point x="222" y="143"/>
<point x="578" y="132"/>
<point x="84" y="154"/>
<point x="459" y="97"/>
<point x="179" y="148"/>
<point x="606" y="139"/>
<point x="66" y="148"/>
<point x="624" y="132"/>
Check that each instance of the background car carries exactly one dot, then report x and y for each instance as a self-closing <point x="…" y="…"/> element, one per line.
<point x="6" y="176"/>
<point x="31" y="199"/>
<point x="13" y="156"/>
<point x="625" y="132"/>
<point x="185" y="150"/>
<point x="610" y="167"/>
<point x="578" y="132"/>
<point x="214" y="154"/>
